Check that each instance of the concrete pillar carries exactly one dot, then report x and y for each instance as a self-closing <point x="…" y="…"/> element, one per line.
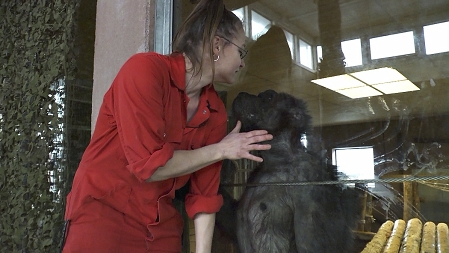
<point x="123" y="28"/>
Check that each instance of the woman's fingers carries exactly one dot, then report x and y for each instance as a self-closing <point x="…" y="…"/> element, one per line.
<point x="237" y="127"/>
<point x="256" y="133"/>
<point x="260" y="147"/>
<point x="254" y="158"/>
<point x="239" y="145"/>
<point x="257" y="136"/>
<point x="254" y="138"/>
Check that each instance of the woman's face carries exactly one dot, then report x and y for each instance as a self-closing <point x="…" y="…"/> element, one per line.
<point x="230" y="61"/>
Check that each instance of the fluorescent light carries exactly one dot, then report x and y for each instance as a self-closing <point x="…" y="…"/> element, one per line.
<point x="339" y="82"/>
<point x="368" y="83"/>
<point x="396" y="87"/>
<point x="376" y="76"/>
<point x="359" y="92"/>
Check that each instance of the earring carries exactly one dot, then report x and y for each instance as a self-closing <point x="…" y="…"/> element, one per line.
<point x="218" y="58"/>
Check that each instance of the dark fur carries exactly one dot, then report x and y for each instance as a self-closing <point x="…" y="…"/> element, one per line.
<point x="313" y="218"/>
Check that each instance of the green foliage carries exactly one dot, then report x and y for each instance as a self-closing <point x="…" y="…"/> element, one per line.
<point x="35" y="58"/>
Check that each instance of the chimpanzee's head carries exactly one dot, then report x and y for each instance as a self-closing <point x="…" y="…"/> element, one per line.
<point x="271" y="111"/>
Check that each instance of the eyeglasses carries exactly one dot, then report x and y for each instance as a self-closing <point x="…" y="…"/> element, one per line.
<point x="242" y="51"/>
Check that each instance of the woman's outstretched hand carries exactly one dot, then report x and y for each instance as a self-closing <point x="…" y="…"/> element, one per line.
<point x="238" y="145"/>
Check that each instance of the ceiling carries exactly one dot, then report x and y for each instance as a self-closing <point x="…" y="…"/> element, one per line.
<point x="359" y="19"/>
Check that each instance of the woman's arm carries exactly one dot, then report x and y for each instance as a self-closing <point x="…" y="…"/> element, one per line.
<point x="234" y="146"/>
<point x="204" y="231"/>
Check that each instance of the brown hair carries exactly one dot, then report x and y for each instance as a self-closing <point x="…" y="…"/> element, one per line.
<point x="208" y="19"/>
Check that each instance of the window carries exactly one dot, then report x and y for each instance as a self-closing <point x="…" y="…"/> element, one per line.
<point x="392" y="45"/>
<point x="259" y="25"/>
<point x="395" y="83"/>
<point x="240" y="13"/>
<point x="437" y="38"/>
<point x="355" y="162"/>
<point x="352" y="49"/>
<point x="290" y="41"/>
<point x="319" y="53"/>
<point x="305" y="54"/>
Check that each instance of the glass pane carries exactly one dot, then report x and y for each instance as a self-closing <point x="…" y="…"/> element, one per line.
<point x="240" y="13"/>
<point x="319" y="53"/>
<point x="437" y="38"/>
<point x="305" y="54"/>
<point x="259" y="25"/>
<point x="290" y="41"/>
<point x="355" y="162"/>
<point x="392" y="45"/>
<point x="352" y="49"/>
<point x="372" y="74"/>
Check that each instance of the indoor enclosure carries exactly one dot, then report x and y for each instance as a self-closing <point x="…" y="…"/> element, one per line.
<point x="374" y="76"/>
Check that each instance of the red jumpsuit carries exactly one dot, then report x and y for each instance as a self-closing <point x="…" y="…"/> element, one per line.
<point x="141" y="122"/>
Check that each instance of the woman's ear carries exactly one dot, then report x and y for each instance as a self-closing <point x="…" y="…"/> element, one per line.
<point x="216" y="45"/>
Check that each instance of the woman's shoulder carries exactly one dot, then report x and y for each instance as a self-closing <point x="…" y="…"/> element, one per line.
<point x="149" y="57"/>
<point x="157" y="60"/>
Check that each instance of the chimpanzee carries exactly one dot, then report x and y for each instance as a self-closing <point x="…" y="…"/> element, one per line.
<point x="272" y="217"/>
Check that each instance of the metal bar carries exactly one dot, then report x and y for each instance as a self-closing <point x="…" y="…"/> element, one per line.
<point x="357" y="181"/>
<point x="163" y="26"/>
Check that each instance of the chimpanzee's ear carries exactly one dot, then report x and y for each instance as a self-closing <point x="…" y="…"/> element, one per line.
<point x="268" y="95"/>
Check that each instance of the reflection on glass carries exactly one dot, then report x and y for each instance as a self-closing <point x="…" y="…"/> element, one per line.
<point x="404" y="120"/>
<point x="259" y="25"/>
<point x="396" y="87"/>
<point x="355" y="162"/>
<point x="377" y="76"/>
<point x="240" y="13"/>
<point x="392" y="45"/>
<point x="319" y="53"/>
<point x="341" y="82"/>
<point x="290" y="39"/>
<point x="305" y="54"/>
<point x="437" y="38"/>
<point x="368" y="83"/>
<point x="359" y="92"/>
<point x="352" y="49"/>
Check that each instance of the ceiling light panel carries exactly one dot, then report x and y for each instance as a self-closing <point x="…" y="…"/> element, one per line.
<point x="376" y="76"/>
<point x="368" y="83"/>
<point x="396" y="87"/>
<point x="339" y="82"/>
<point x="359" y="92"/>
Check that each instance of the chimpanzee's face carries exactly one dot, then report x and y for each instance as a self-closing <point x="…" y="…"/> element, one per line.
<point x="271" y="111"/>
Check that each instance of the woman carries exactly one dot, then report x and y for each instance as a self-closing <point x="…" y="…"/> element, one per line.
<point x="162" y="124"/>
